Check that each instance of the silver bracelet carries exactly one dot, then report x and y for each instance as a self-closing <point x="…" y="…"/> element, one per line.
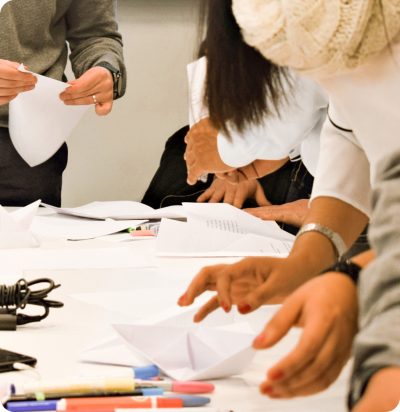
<point x="336" y="240"/>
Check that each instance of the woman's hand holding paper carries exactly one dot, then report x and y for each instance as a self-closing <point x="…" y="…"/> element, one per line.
<point x="13" y="81"/>
<point x="94" y="87"/>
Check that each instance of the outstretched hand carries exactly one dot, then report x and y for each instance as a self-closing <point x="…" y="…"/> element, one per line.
<point x="326" y="308"/>
<point x="250" y="283"/>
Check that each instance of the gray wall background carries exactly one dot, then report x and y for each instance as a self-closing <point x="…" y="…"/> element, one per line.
<point x="114" y="158"/>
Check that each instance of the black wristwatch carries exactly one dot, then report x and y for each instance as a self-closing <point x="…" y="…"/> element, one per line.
<point x="117" y="78"/>
<point x="348" y="268"/>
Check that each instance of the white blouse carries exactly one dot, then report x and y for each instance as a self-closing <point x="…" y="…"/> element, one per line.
<point x="363" y="129"/>
<point x="294" y="132"/>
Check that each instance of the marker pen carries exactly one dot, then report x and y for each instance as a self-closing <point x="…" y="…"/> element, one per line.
<point x="192" y="387"/>
<point x="107" y="385"/>
<point x="155" y="391"/>
<point x="108" y="404"/>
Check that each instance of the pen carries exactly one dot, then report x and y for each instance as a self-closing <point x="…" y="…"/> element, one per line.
<point x="155" y="391"/>
<point x="108" y="404"/>
<point x="110" y="385"/>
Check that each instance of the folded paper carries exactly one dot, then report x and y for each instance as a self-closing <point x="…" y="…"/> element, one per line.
<point x="15" y="227"/>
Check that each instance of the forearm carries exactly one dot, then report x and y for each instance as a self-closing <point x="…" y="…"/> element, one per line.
<point x="313" y="251"/>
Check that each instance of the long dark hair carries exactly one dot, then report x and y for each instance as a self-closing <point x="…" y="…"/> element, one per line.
<point x="242" y="86"/>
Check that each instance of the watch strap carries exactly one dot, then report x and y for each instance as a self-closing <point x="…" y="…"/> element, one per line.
<point x="346" y="267"/>
<point x="117" y="78"/>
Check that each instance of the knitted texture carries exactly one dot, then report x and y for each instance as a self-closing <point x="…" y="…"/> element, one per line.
<point x="318" y="37"/>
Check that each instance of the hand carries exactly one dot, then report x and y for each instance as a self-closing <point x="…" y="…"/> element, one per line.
<point x="250" y="283"/>
<point x="383" y="392"/>
<point x="98" y="82"/>
<point x="326" y="308"/>
<point x="201" y="154"/>
<point x="13" y="82"/>
<point x="236" y="195"/>
<point x="293" y="213"/>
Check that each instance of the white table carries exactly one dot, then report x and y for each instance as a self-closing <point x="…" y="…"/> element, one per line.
<point x="58" y="341"/>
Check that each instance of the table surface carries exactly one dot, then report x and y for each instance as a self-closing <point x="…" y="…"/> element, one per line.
<point x="58" y="341"/>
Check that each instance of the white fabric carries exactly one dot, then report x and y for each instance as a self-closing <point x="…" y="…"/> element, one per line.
<point x="296" y="131"/>
<point x="369" y="101"/>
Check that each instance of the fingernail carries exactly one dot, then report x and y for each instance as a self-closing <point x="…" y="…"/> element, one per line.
<point x="225" y="307"/>
<point x="267" y="390"/>
<point x="276" y="375"/>
<point x="259" y="340"/>
<point x="182" y="299"/>
<point x="245" y="308"/>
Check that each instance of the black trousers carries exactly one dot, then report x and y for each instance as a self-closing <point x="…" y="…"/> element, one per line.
<point x="21" y="184"/>
<point x="168" y="186"/>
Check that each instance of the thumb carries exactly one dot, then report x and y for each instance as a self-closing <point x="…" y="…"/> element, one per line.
<point x="260" y="197"/>
<point x="102" y="109"/>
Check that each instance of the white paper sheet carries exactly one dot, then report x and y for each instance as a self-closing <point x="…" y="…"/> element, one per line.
<point x="185" y="351"/>
<point x="15" y="227"/>
<point x="39" y="122"/>
<point x="221" y="230"/>
<point x="120" y="210"/>
<point x="196" y="72"/>
<point x="74" y="228"/>
<point x="227" y="218"/>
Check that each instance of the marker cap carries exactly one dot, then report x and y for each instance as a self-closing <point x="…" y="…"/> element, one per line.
<point x="190" y="400"/>
<point x="152" y="391"/>
<point x="32" y="406"/>
<point x="146" y="372"/>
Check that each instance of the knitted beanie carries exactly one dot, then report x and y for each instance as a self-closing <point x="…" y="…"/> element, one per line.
<point x="318" y="37"/>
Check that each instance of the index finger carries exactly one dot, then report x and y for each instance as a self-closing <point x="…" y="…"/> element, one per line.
<point x="204" y="280"/>
<point x="11" y="72"/>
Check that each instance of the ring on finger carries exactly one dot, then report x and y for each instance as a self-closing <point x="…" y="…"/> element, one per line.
<point x="95" y="102"/>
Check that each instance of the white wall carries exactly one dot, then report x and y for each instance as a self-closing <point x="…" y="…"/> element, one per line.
<point x="115" y="157"/>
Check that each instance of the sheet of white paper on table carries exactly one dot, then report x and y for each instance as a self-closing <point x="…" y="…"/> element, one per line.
<point x="228" y="218"/>
<point x="219" y="229"/>
<point x="15" y="227"/>
<point x="218" y="348"/>
<point x="40" y="122"/>
<point x="74" y="228"/>
<point x="184" y="239"/>
<point x="196" y="72"/>
<point x="120" y="210"/>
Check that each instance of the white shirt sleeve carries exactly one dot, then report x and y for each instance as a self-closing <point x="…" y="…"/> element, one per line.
<point x="279" y="136"/>
<point x="343" y="170"/>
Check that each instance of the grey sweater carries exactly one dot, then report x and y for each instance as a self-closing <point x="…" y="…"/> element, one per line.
<point x="36" y="32"/>
<point x="378" y="343"/>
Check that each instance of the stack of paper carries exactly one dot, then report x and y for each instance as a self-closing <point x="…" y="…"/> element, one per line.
<point x="120" y="210"/>
<point x="219" y="229"/>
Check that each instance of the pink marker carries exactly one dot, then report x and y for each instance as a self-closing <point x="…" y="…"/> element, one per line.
<point x="188" y="387"/>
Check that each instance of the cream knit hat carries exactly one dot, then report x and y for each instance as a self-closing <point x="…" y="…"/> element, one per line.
<point x="318" y="37"/>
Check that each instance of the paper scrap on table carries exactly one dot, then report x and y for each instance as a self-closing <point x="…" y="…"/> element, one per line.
<point x="15" y="227"/>
<point x="221" y="230"/>
<point x="120" y="210"/>
<point x="39" y="122"/>
<point x="186" y="351"/>
<point x="73" y="228"/>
